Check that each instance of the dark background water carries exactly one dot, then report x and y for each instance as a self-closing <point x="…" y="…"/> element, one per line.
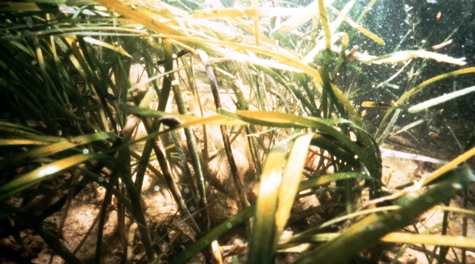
<point x="419" y="24"/>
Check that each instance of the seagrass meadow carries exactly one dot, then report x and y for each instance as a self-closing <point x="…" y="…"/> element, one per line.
<point x="324" y="131"/>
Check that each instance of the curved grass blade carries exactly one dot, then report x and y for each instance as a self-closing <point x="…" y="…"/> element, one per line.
<point x="424" y="239"/>
<point x="398" y="237"/>
<point x="467" y="212"/>
<point x="338" y="176"/>
<point x="21" y="142"/>
<point x="15" y="134"/>
<point x="441" y="99"/>
<point x="186" y="120"/>
<point x="406" y="55"/>
<point x="42" y="173"/>
<point x="267" y="118"/>
<point x="262" y="62"/>
<point x="43" y="151"/>
<point x="19" y="131"/>
<point x="107" y="45"/>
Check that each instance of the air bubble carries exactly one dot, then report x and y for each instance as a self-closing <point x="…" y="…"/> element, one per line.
<point x="187" y="190"/>
<point x="229" y="225"/>
<point x="100" y="179"/>
<point x="156" y="188"/>
<point x="85" y="151"/>
<point x="192" y="208"/>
